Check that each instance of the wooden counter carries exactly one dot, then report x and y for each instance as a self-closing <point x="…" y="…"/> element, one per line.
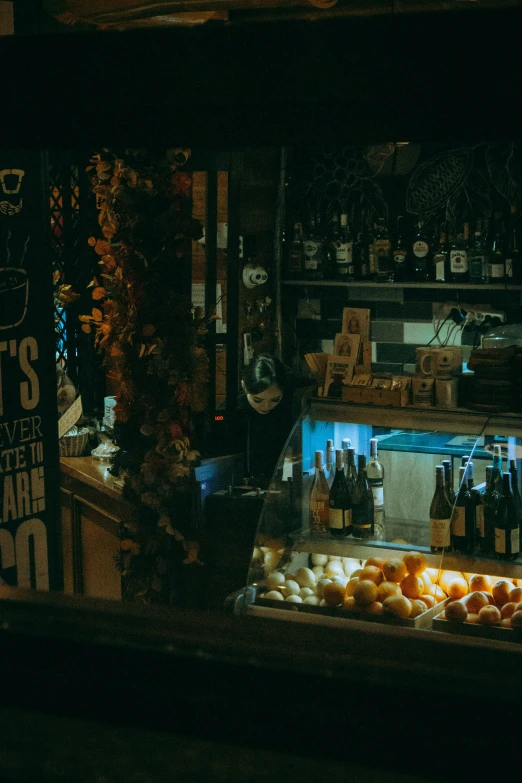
<point x="92" y="509"/>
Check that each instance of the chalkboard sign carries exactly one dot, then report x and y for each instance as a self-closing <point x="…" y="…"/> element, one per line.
<point x="29" y="466"/>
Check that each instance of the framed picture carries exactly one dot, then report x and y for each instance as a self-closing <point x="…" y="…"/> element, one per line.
<point x="348" y="345"/>
<point x="356" y="320"/>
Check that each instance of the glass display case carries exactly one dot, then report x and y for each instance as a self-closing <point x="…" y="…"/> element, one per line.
<point x="417" y="551"/>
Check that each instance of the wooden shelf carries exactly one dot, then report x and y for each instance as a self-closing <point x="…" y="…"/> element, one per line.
<point x="372" y="284"/>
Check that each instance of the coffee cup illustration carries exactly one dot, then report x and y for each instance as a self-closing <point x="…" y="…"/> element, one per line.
<point x="14" y="294"/>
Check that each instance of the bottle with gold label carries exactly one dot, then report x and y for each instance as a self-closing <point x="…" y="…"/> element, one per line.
<point x="459" y="258"/>
<point x="319" y="503"/>
<point x="340" y="516"/>
<point x="440" y="515"/>
<point x="463" y="518"/>
<point x="382" y="252"/>
<point x="421" y="254"/>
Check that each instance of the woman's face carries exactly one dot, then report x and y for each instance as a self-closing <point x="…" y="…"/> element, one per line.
<point x="266" y="400"/>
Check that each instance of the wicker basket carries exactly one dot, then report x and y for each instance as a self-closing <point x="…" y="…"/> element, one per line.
<point x="74" y="442"/>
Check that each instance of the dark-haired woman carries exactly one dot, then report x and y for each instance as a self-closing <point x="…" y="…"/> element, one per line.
<point x="268" y="408"/>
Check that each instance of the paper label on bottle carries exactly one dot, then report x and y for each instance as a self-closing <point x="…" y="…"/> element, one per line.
<point x="458" y="261"/>
<point x="500" y="541"/>
<point x="439" y="532"/>
<point x="336" y="518"/>
<point x="311" y="251"/>
<point x="348" y="517"/>
<point x="477" y="266"/>
<point x="344" y="252"/>
<point x="509" y="267"/>
<point x="420" y="249"/>
<point x="295" y="261"/>
<point x="381" y="247"/>
<point x="440" y="271"/>
<point x="480" y="520"/>
<point x="458" y="521"/>
<point x="496" y="270"/>
<point x="318" y="516"/>
<point x="399" y="257"/>
<point x="378" y="497"/>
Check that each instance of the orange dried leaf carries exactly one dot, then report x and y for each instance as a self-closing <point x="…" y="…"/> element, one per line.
<point x="91" y="241"/>
<point x="102" y="247"/>
<point x="108" y="231"/>
<point x="85" y="319"/>
<point x="98" y="293"/>
<point x="86" y="328"/>
<point x="97" y="314"/>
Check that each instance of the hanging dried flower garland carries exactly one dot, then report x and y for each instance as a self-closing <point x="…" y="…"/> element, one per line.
<point x="151" y="342"/>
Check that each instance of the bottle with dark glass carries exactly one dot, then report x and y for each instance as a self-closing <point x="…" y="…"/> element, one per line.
<point x="513" y="260"/>
<point x="459" y="260"/>
<point x="345" y="445"/>
<point x="463" y="518"/>
<point x="364" y="242"/>
<point x="319" y="503"/>
<point x="497" y="265"/>
<point x="362" y="508"/>
<point x="330" y="460"/>
<point x="440" y="515"/>
<point x="350" y="469"/>
<point x="490" y="504"/>
<point x="507" y="527"/>
<point x="498" y="468"/>
<point x="314" y="256"/>
<point x="296" y="253"/>
<point x="400" y="253"/>
<point x="478" y="260"/>
<point x="343" y="246"/>
<point x="448" y="480"/>
<point x="441" y="260"/>
<point x="340" y="515"/>
<point x="421" y="254"/>
<point x="514" y="487"/>
<point x="372" y="231"/>
<point x="382" y="251"/>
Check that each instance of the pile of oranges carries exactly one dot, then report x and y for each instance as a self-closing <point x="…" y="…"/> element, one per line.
<point x="489" y="601"/>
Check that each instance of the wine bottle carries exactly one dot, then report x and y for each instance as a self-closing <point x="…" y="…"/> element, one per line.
<point x="314" y="256"/>
<point x="497" y="467"/>
<point x="491" y="502"/>
<point x="382" y="250"/>
<point x="296" y="253"/>
<point x="350" y="469"/>
<point x="345" y="445"/>
<point x="507" y="527"/>
<point x="448" y="480"/>
<point x="340" y="516"/>
<point x="319" y="499"/>
<point x="330" y="460"/>
<point x="440" y="515"/>
<point x="400" y="253"/>
<point x="362" y="504"/>
<point x="375" y="473"/>
<point x="463" y="518"/>
<point x="475" y="494"/>
<point x="343" y="248"/>
<point x="514" y="488"/>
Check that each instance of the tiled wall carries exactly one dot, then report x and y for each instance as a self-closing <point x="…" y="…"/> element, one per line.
<point x="401" y="319"/>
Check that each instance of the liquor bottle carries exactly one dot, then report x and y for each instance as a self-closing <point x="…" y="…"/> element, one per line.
<point x="459" y="260"/>
<point x="491" y="503"/>
<point x="329" y="237"/>
<point x="363" y="253"/>
<point x="345" y="269"/>
<point x="421" y="254"/>
<point x="330" y="459"/>
<point x="440" y="515"/>
<point x="340" y="515"/>
<point x="382" y="251"/>
<point x="478" y="260"/>
<point x="296" y="253"/>
<point x="497" y="468"/>
<point x="441" y="260"/>
<point x="375" y="473"/>
<point x="507" y="527"/>
<point x="513" y="260"/>
<point x="350" y="469"/>
<point x="314" y="257"/>
<point x="400" y="253"/>
<point x="371" y="252"/>
<point x="319" y="499"/>
<point x="345" y="445"/>
<point x="497" y="267"/>
<point x="463" y="518"/>
<point x="362" y="508"/>
<point x="514" y="486"/>
<point x="448" y="480"/>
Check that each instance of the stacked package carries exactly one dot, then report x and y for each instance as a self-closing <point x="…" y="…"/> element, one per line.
<point x="497" y="381"/>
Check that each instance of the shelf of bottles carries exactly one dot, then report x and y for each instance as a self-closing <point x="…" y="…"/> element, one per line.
<point x="485" y="254"/>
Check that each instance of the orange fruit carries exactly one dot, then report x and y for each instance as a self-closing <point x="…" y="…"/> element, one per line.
<point x="398" y="605"/>
<point x="412" y="586"/>
<point x="394" y="570"/>
<point x="468" y="577"/>
<point x="428" y="584"/>
<point x="388" y="588"/>
<point x="448" y="576"/>
<point x="508" y="610"/>
<point x="489" y="615"/>
<point x="501" y="591"/>
<point x="373" y="573"/>
<point x="428" y="600"/>
<point x="457" y="588"/>
<point x="375" y="561"/>
<point x="349" y="603"/>
<point x="456" y="612"/>
<point x="417" y="607"/>
<point x="373" y="608"/>
<point x="365" y="592"/>
<point x="516" y="595"/>
<point x="349" y="587"/>
<point x="506" y="622"/>
<point x="480" y="582"/>
<point x="516" y="619"/>
<point x="333" y="593"/>
<point x="415" y="562"/>
<point x="438" y="594"/>
<point x="476" y="601"/>
<point x="433" y="574"/>
<point x="472" y="618"/>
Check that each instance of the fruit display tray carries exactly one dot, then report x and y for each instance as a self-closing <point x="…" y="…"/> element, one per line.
<point x="423" y="620"/>
<point x="478" y="631"/>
